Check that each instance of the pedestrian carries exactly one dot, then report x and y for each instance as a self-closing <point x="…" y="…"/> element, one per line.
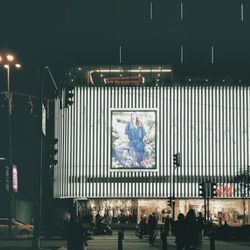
<point x="66" y="217"/>
<point x="75" y="234"/>
<point x="152" y="224"/>
<point x="179" y="231"/>
<point x="167" y="224"/>
<point x="98" y="221"/>
<point x="142" y="227"/>
<point x="200" y="221"/>
<point x="192" y="231"/>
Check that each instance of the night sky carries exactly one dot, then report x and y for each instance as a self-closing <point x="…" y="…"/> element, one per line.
<point x="65" y="33"/>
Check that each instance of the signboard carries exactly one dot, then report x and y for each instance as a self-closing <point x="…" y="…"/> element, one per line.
<point x="14" y="178"/>
<point x="44" y="120"/>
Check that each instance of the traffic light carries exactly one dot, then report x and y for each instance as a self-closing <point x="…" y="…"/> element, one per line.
<point x="177" y="159"/>
<point x="213" y="189"/>
<point x="52" y="151"/>
<point x="202" y="191"/>
<point x="169" y="203"/>
<point x="69" y="95"/>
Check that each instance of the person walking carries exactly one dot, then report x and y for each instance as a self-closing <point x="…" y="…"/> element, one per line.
<point x="192" y="231"/>
<point x="75" y="234"/>
<point x="142" y="227"/>
<point x="167" y="224"/>
<point x="200" y="221"/>
<point x="179" y="231"/>
<point x="152" y="224"/>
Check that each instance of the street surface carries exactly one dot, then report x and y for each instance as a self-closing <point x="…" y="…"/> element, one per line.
<point x="131" y="242"/>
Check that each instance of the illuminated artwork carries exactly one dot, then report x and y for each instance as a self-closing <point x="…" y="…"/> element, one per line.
<point x="133" y="139"/>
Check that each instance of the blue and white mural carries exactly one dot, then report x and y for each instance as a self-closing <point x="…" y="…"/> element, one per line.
<point x="133" y="139"/>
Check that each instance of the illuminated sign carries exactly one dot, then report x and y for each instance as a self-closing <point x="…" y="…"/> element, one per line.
<point x="14" y="178"/>
<point x="224" y="190"/>
<point x="128" y="76"/>
<point x="135" y="80"/>
<point x="44" y="120"/>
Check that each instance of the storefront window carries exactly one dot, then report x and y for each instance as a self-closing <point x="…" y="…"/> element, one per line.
<point x="157" y="207"/>
<point x="220" y="211"/>
<point x="131" y="210"/>
<point x="114" y="210"/>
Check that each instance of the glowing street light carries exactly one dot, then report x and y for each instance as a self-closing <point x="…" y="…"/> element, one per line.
<point x="10" y="57"/>
<point x="8" y="60"/>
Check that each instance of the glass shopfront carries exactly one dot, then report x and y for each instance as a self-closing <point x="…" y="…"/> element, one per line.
<point x="153" y="206"/>
<point x="129" y="211"/>
<point x="220" y="211"/>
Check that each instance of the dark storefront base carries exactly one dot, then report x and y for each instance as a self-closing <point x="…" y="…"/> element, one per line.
<point x="129" y="211"/>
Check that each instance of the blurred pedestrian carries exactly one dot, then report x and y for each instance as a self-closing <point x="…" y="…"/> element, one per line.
<point x="192" y="231"/>
<point x="152" y="224"/>
<point x="179" y="231"/>
<point x="142" y="227"/>
<point x="98" y="221"/>
<point x="167" y="224"/>
<point x="200" y="221"/>
<point x="75" y="234"/>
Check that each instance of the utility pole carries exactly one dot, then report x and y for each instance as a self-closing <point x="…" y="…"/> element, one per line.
<point x="36" y="244"/>
<point x="8" y="61"/>
<point x="176" y="164"/>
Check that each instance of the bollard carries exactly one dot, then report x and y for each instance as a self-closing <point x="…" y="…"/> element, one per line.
<point x="122" y="232"/>
<point x="164" y="240"/>
<point x="141" y="232"/>
<point x="212" y="242"/>
<point x="161" y="232"/>
<point x="120" y="238"/>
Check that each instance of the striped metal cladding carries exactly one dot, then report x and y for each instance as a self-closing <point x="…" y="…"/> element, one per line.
<point x="208" y="125"/>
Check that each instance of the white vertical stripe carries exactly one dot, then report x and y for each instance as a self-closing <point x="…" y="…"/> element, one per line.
<point x="57" y="135"/>
<point x="181" y="16"/>
<point x="213" y="133"/>
<point x="120" y="54"/>
<point x="81" y="144"/>
<point x="242" y="12"/>
<point x="106" y="122"/>
<point x="151" y="11"/>
<point x="182" y="54"/>
<point x="78" y="154"/>
<point x="212" y="54"/>
<point x="88" y="125"/>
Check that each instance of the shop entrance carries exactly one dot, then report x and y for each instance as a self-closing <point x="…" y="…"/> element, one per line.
<point x="158" y="207"/>
<point x="220" y="210"/>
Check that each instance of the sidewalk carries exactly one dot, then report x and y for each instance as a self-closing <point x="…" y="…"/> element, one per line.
<point x="111" y="243"/>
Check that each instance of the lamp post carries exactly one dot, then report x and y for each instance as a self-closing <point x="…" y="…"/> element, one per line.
<point x="8" y="60"/>
<point x="36" y="242"/>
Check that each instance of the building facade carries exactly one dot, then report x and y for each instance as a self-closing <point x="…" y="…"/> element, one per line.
<point x="101" y="160"/>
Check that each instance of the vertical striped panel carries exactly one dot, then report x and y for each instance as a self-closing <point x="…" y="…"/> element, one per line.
<point x="209" y="126"/>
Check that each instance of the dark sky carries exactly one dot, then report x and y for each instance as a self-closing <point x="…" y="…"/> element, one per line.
<point x="63" y="33"/>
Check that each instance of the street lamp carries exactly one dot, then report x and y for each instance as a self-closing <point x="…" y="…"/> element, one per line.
<point x="8" y="60"/>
